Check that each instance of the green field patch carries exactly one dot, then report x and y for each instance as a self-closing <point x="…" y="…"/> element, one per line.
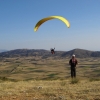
<point x="97" y="70"/>
<point x="28" y="79"/>
<point x="7" y="79"/>
<point x="40" y="64"/>
<point x="51" y="78"/>
<point x="17" y="62"/>
<point x="52" y="75"/>
<point x="7" y="61"/>
<point x="19" y="72"/>
<point x="31" y="68"/>
<point x="24" y="66"/>
<point x="4" y="71"/>
<point x="86" y="67"/>
<point x="38" y="71"/>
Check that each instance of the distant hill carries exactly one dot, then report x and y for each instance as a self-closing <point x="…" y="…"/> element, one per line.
<point x="29" y="52"/>
<point x="2" y="50"/>
<point x="80" y="53"/>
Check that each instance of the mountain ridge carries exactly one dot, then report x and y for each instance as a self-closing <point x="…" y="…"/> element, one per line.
<point x="80" y="53"/>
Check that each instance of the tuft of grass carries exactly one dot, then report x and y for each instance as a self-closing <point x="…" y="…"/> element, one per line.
<point x="74" y="81"/>
<point x="63" y="83"/>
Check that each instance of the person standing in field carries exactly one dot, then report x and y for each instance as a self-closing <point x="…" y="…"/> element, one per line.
<point x="73" y="62"/>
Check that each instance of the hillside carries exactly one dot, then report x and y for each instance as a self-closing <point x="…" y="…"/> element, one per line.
<point x="80" y="53"/>
<point x="36" y="78"/>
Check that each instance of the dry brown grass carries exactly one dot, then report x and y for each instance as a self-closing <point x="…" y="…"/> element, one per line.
<point x="50" y="90"/>
<point x="48" y="79"/>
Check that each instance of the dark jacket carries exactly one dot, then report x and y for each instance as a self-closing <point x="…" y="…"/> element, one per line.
<point x="73" y="63"/>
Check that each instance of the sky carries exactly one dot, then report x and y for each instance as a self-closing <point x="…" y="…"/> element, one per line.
<point x="19" y="17"/>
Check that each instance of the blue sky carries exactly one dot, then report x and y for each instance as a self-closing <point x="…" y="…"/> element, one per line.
<point x="18" y="18"/>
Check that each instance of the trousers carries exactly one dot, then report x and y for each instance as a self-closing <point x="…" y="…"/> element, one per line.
<point x="73" y="72"/>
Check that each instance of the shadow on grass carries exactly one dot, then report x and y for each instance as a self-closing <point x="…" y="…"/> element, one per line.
<point x="7" y="79"/>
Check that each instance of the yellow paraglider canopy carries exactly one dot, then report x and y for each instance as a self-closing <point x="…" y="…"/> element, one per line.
<point x="49" y="18"/>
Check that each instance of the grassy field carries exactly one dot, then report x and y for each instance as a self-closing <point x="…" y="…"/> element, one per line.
<point x="50" y="90"/>
<point x="29" y="78"/>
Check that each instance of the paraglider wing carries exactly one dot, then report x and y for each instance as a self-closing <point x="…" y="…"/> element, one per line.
<point x="49" y="18"/>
